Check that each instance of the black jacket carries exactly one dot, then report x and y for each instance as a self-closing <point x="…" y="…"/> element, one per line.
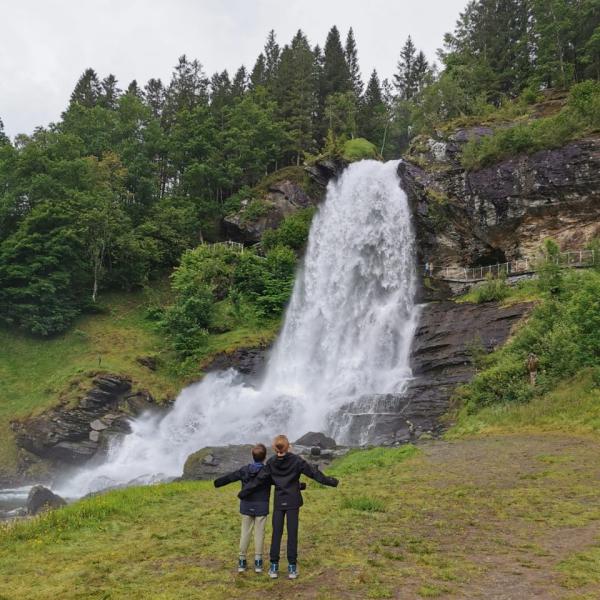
<point x="284" y="473"/>
<point x="256" y="503"/>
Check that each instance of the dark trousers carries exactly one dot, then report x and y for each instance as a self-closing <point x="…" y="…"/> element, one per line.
<point x="291" y="517"/>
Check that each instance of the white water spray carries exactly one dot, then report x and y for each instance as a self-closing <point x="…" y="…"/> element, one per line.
<point x="347" y="334"/>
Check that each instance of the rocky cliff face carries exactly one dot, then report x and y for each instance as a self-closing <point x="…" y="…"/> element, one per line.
<point x="73" y="435"/>
<point x="448" y="337"/>
<point x="503" y="212"/>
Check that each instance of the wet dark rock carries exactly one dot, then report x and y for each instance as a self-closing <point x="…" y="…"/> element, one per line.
<point x="447" y="337"/>
<point x="502" y="212"/>
<point x="41" y="499"/>
<point x="320" y="440"/>
<point x="324" y="169"/>
<point x="74" y="434"/>
<point x="248" y="361"/>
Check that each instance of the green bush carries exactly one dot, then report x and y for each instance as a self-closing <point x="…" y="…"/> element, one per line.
<point x="359" y="149"/>
<point x="361" y="460"/>
<point x="293" y="231"/>
<point x="493" y="289"/>
<point x="562" y="331"/>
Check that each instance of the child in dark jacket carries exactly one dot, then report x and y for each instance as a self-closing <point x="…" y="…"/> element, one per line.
<point x="283" y="471"/>
<point x="254" y="508"/>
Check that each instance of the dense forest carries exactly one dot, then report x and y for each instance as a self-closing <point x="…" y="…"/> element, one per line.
<point x="115" y="192"/>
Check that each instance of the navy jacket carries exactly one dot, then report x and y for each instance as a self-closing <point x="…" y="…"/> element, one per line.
<point x="284" y="472"/>
<point x="256" y="504"/>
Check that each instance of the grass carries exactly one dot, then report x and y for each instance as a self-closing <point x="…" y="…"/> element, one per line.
<point x="574" y="407"/>
<point x="403" y="523"/>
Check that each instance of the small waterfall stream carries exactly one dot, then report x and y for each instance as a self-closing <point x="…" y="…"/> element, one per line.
<point x="347" y="334"/>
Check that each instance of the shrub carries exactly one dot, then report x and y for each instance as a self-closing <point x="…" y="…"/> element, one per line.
<point x="493" y="289"/>
<point x="293" y="231"/>
<point x="359" y="149"/>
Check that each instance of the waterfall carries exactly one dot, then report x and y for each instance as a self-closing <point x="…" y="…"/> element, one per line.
<point x="347" y="334"/>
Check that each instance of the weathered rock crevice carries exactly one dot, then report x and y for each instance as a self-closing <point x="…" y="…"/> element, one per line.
<point x="76" y="434"/>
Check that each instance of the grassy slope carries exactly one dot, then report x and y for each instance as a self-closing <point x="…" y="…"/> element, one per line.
<point x="35" y="374"/>
<point x="479" y="519"/>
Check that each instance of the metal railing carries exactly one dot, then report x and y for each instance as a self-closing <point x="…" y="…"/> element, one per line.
<point x="573" y="258"/>
<point x="227" y="244"/>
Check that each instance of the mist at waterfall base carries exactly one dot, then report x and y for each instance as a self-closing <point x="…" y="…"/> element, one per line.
<point x="346" y="334"/>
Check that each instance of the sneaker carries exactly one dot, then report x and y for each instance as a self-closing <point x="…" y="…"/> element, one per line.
<point x="292" y="571"/>
<point x="273" y="570"/>
<point x="258" y="565"/>
<point x="242" y="565"/>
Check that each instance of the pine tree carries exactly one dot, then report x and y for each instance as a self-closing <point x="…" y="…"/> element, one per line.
<point x="110" y="92"/>
<point x="258" y="77"/>
<point x="220" y="91"/>
<point x="88" y="90"/>
<point x="351" y="54"/>
<point x="239" y="85"/>
<point x="336" y="75"/>
<point x="154" y="92"/>
<point x="404" y="78"/>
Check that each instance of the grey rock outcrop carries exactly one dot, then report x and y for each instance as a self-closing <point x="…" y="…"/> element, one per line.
<point x="40" y="498"/>
<point x="505" y="211"/>
<point x="211" y="462"/>
<point x="75" y="434"/>
<point x="316" y="439"/>
<point x="248" y="361"/>
<point x="282" y="199"/>
<point x="447" y="338"/>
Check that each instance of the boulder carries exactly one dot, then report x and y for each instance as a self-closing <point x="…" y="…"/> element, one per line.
<point x="314" y="439"/>
<point x="41" y="498"/>
<point x="212" y="462"/>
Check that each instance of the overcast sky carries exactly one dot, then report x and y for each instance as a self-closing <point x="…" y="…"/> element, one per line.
<point x="46" y="44"/>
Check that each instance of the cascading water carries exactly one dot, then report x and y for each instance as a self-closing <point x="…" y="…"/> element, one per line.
<point x="347" y="334"/>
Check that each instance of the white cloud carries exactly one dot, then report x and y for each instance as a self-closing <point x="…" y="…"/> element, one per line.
<point x="46" y="44"/>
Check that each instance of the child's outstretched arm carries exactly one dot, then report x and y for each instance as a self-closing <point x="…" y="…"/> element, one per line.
<point x="263" y="478"/>
<point x="229" y="478"/>
<point x="313" y="472"/>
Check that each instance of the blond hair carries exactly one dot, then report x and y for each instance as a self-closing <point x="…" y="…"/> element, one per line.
<point x="281" y="444"/>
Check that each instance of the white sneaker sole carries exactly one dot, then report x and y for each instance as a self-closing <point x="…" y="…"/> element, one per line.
<point x="273" y="575"/>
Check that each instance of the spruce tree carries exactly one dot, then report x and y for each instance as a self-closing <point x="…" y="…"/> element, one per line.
<point x="404" y="78"/>
<point x="154" y="92"/>
<point x="421" y="69"/>
<point x="239" y="85"/>
<point x="258" y="77"/>
<point x="133" y="89"/>
<point x="296" y="94"/>
<point x="272" y="55"/>
<point x="220" y="91"/>
<point x="88" y="90"/>
<point x="3" y="137"/>
<point x="372" y="115"/>
<point x="351" y="54"/>
<point x="110" y="92"/>
<point x="336" y="75"/>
